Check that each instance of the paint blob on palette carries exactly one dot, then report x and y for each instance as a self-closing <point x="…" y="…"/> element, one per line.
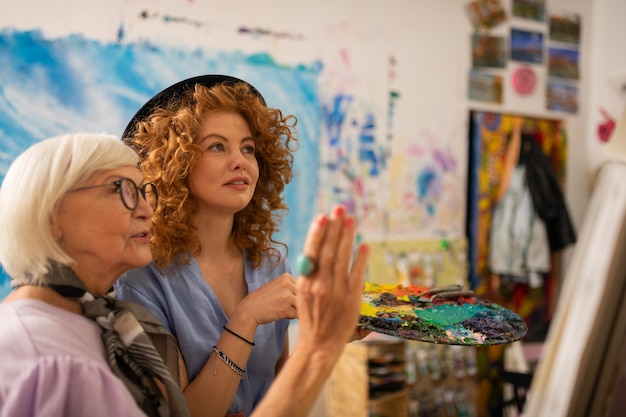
<point x="446" y="315"/>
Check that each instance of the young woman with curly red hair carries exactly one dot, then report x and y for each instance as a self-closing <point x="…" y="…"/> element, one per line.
<point x="219" y="282"/>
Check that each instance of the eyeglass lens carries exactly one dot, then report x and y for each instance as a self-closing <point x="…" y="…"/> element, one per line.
<point x="150" y="194"/>
<point x="130" y="194"/>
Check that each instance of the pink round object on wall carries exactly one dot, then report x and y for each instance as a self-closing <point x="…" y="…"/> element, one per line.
<point x="524" y="80"/>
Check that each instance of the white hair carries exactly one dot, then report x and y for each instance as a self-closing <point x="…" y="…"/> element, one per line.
<point x="32" y="189"/>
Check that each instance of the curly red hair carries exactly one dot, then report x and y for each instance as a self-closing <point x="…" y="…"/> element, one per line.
<point x="166" y="144"/>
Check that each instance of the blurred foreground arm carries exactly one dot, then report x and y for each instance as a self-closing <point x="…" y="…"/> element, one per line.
<point x="328" y="304"/>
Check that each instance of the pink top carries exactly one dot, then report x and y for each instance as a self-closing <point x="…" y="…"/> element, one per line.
<point x="53" y="364"/>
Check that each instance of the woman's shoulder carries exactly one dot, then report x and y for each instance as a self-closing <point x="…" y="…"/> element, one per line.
<point x="158" y="290"/>
<point x="74" y="386"/>
<point x="149" y="272"/>
<point x="29" y="314"/>
<point x="146" y="279"/>
<point x="154" y="273"/>
<point x="32" y="328"/>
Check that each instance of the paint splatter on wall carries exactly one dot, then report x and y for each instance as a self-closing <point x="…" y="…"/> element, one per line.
<point x="400" y="184"/>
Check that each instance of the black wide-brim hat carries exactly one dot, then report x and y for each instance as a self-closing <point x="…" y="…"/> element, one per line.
<point x="163" y="98"/>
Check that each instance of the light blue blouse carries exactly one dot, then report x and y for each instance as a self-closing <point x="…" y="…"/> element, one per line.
<point x="188" y="307"/>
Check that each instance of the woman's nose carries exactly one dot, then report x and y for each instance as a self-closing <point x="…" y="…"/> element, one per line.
<point x="239" y="161"/>
<point x="143" y="209"/>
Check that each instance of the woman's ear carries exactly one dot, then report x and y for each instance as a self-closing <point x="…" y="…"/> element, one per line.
<point x="55" y="230"/>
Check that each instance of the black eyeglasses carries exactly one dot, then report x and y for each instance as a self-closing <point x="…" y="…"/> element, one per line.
<point x="129" y="192"/>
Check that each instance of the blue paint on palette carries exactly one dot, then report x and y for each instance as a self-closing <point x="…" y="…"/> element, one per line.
<point x="55" y="86"/>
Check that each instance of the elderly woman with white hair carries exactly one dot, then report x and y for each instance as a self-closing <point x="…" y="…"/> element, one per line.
<point x="75" y="215"/>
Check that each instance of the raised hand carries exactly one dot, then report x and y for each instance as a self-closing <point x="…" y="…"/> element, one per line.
<point x="329" y="299"/>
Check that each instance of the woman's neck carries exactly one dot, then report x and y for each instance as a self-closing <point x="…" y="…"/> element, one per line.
<point x="215" y="234"/>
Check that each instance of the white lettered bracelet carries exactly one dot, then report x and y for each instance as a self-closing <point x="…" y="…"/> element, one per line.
<point x="232" y="365"/>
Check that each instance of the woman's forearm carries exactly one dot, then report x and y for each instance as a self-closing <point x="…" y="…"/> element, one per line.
<point x="212" y="391"/>
<point x="298" y="384"/>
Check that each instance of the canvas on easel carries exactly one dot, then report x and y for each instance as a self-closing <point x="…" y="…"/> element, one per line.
<point x="578" y="369"/>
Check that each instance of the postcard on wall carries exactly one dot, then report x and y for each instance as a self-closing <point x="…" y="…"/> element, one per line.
<point x="488" y="51"/>
<point x="562" y="96"/>
<point x="563" y="63"/>
<point x="486" y="14"/>
<point x="527" y="46"/>
<point x="565" y="28"/>
<point x="485" y="87"/>
<point x="530" y="9"/>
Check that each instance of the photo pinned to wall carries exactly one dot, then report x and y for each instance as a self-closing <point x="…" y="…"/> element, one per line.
<point x="527" y="46"/>
<point x="486" y="14"/>
<point x="488" y="51"/>
<point x="562" y="96"/>
<point x="530" y="9"/>
<point x="563" y="63"/>
<point x="485" y="87"/>
<point x="565" y="28"/>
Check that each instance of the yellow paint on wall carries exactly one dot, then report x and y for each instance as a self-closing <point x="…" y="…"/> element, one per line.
<point x="443" y="261"/>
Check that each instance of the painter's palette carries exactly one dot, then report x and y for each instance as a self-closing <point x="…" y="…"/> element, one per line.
<point x="447" y="317"/>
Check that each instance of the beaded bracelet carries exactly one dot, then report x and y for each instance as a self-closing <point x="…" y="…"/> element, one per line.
<point x="240" y="337"/>
<point x="232" y="365"/>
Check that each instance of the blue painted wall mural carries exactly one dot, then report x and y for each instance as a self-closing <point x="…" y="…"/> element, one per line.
<point x="51" y="87"/>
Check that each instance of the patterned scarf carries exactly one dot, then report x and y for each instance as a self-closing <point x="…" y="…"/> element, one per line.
<point x="138" y="347"/>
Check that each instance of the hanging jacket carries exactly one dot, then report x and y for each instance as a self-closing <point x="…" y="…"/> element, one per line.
<point x="518" y="241"/>
<point x="546" y="194"/>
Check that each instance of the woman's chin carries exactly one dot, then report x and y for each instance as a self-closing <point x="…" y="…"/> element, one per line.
<point x="142" y="259"/>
